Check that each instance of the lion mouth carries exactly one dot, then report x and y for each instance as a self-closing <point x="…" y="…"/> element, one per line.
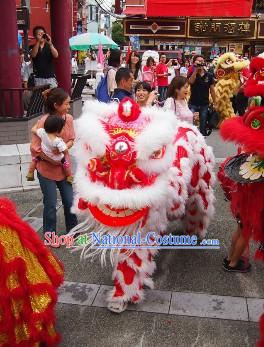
<point x="117" y="217"/>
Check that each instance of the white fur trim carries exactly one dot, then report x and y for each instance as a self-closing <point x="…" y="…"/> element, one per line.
<point x="135" y="198"/>
<point x="159" y="132"/>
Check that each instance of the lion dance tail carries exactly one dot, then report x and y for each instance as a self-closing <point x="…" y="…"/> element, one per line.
<point x="30" y="275"/>
<point x="225" y="89"/>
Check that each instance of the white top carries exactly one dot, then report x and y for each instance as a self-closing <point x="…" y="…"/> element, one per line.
<point x="74" y="63"/>
<point x="26" y="70"/>
<point x="180" y="108"/>
<point x="183" y="71"/>
<point x="111" y="82"/>
<point x="87" y="62"/>
<point x="171" y="70"/>
<point x="48" y="145"/>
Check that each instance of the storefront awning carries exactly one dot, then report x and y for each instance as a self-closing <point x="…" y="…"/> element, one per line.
<point x="135" y="10"/>
<point x="199" y="8"/>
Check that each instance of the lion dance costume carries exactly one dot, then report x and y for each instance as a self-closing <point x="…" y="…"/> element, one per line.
<point x="242" y="176"/>
<point x="227" y="72"/>
<point x="136" y="167"/>
<point x="29" y="277"/>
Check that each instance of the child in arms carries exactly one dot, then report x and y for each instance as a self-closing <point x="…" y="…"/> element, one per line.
<point x="52" y="146"/>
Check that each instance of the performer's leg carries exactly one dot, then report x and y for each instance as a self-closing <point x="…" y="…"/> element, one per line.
<point x="235" y="245"/>
<point x="235" y="237"/>
<point x="238" y="258"/>
<point x="239" y="249"/>
<point x="130" y="274"/>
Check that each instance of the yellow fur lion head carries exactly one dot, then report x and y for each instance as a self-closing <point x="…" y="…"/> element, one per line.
<point x="228" y="66"/>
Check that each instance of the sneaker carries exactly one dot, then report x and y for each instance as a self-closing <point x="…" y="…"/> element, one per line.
<point x="240" y="267"/>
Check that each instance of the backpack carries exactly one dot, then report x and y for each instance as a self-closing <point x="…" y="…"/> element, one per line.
<point x="213" y="118"/>
<point x="101" y="92"/>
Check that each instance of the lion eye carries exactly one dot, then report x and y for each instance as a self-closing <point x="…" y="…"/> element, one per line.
<point x="121" y="147"/>
<point x="159" y="153"/>
<point x="255" y="124"/>
<point x="229" y="61"/>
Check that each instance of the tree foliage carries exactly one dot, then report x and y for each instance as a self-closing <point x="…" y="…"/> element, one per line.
<point x="117" y="33"/>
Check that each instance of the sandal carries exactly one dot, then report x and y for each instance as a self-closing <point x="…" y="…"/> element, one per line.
<point x="240" y="267"/>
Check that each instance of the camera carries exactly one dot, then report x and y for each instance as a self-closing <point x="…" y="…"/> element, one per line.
<point x="200" y="64"/>
<point x="45" y="37"/>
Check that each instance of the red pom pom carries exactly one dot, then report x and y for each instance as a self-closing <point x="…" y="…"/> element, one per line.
<point x="82" y="205"/>
<point x="128" y="110"/>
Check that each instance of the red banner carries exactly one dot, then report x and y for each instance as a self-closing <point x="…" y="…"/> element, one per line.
<point x="199" y="8"/>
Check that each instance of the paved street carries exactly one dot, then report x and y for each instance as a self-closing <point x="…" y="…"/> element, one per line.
<point x="194" y="304"/>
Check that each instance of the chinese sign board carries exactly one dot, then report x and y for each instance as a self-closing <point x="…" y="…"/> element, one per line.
<point x="22" y="18"/>
<point x="214" y="28"/>
<point x="155" y="28"/>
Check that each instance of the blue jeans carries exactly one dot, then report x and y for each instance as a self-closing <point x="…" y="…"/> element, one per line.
<point x="162" y="93"/>
<point x="203" y="115"/>
<point x="48" y="188"/>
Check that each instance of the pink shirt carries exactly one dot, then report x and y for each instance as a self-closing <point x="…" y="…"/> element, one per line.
<point x="180" y="108"/>
<point x="45" y="168"/>
<point x="149" y="75"/>
<point x="162" y="69"/>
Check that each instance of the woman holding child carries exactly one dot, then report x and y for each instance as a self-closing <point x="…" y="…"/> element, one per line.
<point x="52" y="173"/>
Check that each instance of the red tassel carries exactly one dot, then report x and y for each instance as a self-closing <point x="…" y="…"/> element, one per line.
<point x="261" y="327"/>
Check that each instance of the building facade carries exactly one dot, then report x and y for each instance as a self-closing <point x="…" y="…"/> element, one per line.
<point x="201" y="35"/>
<point x="39" y="14"/>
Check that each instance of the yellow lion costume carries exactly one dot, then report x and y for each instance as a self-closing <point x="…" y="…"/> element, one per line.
<point x="228" y="71"/>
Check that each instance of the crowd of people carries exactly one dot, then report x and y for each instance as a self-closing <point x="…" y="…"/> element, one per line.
<point x="184" y="88"/>
<point x="181" y="87"/>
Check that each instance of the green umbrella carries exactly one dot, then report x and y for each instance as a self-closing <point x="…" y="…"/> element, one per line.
<point x="86" y="41"/>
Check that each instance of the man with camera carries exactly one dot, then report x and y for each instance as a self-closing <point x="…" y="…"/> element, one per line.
<point x="201" y="83"/>
<point x="42" y="54"/>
